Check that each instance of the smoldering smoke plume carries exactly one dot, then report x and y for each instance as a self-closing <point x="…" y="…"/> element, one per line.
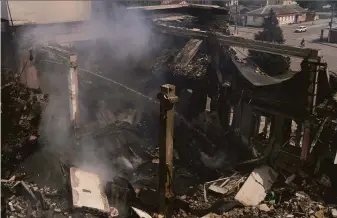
<point x="128" y="36"/>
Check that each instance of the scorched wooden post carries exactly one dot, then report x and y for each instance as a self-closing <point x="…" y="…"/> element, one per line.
<point x="167" y="99"/>
<point x="310" y="66"/>
<point x="73" y="92"/>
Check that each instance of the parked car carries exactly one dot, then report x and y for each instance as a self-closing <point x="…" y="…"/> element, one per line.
<point x="301" y="29"/>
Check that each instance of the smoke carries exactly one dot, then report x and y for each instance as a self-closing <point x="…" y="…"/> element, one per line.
<point x="119" y="42"/>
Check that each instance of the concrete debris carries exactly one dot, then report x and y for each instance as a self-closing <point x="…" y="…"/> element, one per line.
<point x="113" y="212"/>
<point x="255" y="189"/>
<point x="301" y="194"/>
<point x="290" y="179"/>
<point x="319" y="214"/>
<point x="141" y="213"/>
<point x="11" y="206"/>
<point x="211" y="215"/>
<point x="218" y="189"/>
<point x="57" y="210"/>
<point x="325" y="181"/>
<point x="227" y="186"/>
<point x="205" y="193"/>
<point x="264" y="207"/>
<point x="87" y="191"/>
<point x="334" y="213"/>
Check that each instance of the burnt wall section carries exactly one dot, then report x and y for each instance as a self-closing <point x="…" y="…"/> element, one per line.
<point x="55" y="128"/>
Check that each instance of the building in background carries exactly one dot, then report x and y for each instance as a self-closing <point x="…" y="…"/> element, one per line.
<point x="280" y="2"/>
<point x="238" y="14"/>
<point x="286" y="14"/>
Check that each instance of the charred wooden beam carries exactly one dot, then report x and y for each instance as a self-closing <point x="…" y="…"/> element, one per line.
<point x="267" y="47"/>
<point x="167" y="99"/>
<point x="73" y="91"/>
<point x="188" y="52"/>
<point x="312" y="67"/>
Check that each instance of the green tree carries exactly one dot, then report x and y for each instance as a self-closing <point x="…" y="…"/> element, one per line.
<point x="270" y="64"/>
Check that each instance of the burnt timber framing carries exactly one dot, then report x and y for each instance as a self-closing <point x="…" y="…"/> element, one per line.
<point x="267" y="47"/>
<point x="311" y="64"/>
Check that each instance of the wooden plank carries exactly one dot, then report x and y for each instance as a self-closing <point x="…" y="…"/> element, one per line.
<point x="188" y="52"/>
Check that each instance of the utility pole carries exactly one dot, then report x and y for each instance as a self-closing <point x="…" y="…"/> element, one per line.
<point x="167" y="100"/>
<point x="331" y="21"/>
<point x="236" y="16"/>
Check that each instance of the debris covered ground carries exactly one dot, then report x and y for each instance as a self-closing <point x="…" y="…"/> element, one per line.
<point x="119" y="138"/>
<point x="298" y="195"/>
<point x="21" y="113"/>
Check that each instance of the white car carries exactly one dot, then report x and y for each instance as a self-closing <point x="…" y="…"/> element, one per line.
<point x="301" y="29"/>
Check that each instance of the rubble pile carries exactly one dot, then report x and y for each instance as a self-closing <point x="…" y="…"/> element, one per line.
<point x="127" y="146"/>
<point x="22" y="199"/>
<point x="195" y="70"/>
<point x="21" y="112"/>
<point x="282" y="200"/>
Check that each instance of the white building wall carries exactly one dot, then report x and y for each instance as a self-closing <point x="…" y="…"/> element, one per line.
<point x="283" y="20"/>
<point x="280" y="2"/>
<point x="255" y="21"/>
<point x="258" y="20"/>
<point x="231" y="2"/>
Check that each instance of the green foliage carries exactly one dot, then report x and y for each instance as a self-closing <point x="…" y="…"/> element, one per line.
<point x="269" y="63"/>
<point x="272" y="32"/>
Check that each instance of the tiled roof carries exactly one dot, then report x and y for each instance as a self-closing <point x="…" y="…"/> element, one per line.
<point x="278" y="9"/>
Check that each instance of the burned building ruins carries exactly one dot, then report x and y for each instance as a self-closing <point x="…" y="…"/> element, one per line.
<point x="150" y="111"/>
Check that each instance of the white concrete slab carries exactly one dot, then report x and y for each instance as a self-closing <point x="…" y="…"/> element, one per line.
<point x="87" y="191"/>
<point x="255" y="189"/>
<point x="141" y="213"/>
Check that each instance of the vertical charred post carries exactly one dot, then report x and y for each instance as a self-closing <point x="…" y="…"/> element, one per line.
<point x="310" y="66"/>
<point x="73" y="92"/>
<point x="167" y="99"/>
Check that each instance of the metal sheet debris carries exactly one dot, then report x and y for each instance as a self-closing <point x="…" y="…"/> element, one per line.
<point x="254" y="190"/>
<point x="87" y="191"/>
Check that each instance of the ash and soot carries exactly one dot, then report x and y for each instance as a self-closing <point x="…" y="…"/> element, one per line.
<point x="121" y="65"/>
<point x="103" y="160"/>
<point x="118" y="50"/>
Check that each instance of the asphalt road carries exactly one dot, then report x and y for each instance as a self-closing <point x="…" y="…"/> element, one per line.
<point x="311" y="37"/>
